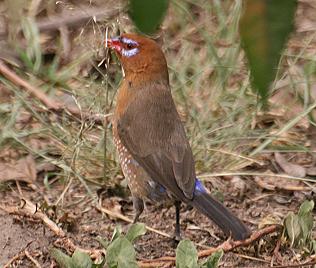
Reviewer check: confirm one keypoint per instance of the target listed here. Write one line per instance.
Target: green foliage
(214, 259)
(147, 15)
(135, 231)
(298, 227)
(187, 256)
(264, 28)
(79, 259)
(121, 253)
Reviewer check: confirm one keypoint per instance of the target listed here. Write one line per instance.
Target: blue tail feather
(199, 187)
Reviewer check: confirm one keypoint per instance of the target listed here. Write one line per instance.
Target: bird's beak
(114, 43)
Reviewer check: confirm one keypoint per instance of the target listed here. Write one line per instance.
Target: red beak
(114, 43)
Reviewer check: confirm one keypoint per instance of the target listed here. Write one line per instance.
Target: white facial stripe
(129, 41)
(130, 53)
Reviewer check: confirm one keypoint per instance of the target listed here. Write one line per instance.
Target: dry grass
(228, 131)
(209, 79)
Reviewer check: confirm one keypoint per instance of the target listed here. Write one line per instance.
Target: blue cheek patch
(129, 41)
(130, 53)
(199, 187)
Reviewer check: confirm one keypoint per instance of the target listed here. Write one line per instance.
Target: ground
(85, 223)
(58, 164)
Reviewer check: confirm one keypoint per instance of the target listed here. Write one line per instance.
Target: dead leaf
(46, 167)
(290, 168)
(24, 170)
(273, 183)
(311, 171)
(287, 106)
(239, 186)
(112, 204)
(269, 220)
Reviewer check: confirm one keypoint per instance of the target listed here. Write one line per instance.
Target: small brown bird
(154, 152)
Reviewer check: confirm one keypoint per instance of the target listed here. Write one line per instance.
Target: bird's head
(139, 55)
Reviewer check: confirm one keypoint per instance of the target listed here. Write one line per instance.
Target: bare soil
(85, 223)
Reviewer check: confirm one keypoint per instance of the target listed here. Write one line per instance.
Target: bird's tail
(218, 213)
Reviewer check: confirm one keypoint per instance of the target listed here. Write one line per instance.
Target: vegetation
(56, 146)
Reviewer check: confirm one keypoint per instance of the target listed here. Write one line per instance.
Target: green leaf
(103, 242)
(147, 14)
(214, 259)
(63, 260)
(186, 255)
(117, 232)
(306, 208)
(81, 259)
(121, 254)
(264, 28)
(306, 221)
(313, 246)
(135, 231)
(299, 227)
(293, 228)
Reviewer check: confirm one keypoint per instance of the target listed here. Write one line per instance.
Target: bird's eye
(130, 46)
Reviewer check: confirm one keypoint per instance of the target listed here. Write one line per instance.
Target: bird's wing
(151, 130)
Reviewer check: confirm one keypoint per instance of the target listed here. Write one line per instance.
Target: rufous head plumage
(139, 55)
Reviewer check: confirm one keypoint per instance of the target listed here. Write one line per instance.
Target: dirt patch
(83, 223)
(18, 234)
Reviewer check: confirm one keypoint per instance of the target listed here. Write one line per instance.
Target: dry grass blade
(126, 219)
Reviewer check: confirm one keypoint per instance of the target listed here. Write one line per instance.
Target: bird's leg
(138, 205)
(177, 233)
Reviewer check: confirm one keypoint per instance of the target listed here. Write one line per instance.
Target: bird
(153, 149)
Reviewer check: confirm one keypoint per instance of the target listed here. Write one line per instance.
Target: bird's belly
(139, 182)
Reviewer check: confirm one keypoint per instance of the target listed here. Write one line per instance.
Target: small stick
(226, 247)
(309, 264)
(16, 257)
(76, 19)
(31, 89)
(28, 255)
(52, 105)
(124, 218)
(31, 210)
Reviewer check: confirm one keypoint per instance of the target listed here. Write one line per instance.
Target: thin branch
(231, 244)
(51, 104)
(29, 256)
(31, 210)
(126, 219)
(227, 246)
(77, 18)
(35, 92)
(13, 259)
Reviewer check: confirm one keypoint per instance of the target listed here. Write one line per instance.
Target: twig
(124, 218)
(75, 19)
(51, 104)
(31, 210)
(14, 258)
(28, 255)
(251, 258)
(309, 264)
(69, 245)
(32, 90)
(226, 246)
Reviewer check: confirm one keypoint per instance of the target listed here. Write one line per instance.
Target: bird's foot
(176, 240)
(177, 237)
